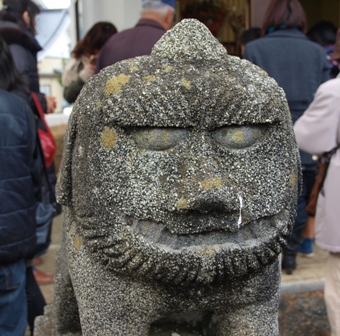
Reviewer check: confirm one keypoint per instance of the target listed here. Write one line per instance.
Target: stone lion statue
(179, 181)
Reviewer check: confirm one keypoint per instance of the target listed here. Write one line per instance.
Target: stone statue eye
(239, 137)
(154, 138)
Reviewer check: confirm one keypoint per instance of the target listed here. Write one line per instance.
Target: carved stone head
(182, 166)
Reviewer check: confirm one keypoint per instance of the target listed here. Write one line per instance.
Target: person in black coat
(324, 32)
(19, 189)
(17, 28)
(299, 66)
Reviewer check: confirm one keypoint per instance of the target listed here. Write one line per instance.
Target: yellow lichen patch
(98, 105)
(238, 137)
(239, 87)
(182, 203)
(133, 68)
(115, 84)
(168, 68)
(186, 83)
(293, 180)
(149, 78)
(77, 243)
(109, 138)
(208, 251)
(213, 183)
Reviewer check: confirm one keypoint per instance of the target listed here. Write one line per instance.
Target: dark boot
(292, 248)
(288, 263)
(294, 241)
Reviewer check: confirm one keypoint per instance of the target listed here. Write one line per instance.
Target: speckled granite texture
(179, 181)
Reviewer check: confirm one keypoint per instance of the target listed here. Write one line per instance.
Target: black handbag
(44, 217)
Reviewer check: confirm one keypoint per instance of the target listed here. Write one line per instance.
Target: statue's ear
(64, 184)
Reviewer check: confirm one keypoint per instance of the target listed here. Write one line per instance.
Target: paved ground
(303, 314)
(302, 311)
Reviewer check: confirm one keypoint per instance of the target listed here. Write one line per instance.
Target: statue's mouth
(149, 249)
(254, 232)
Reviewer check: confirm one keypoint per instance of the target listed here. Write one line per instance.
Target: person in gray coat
(81, 65)
(157, 17)
(299, 66)
(318, 131)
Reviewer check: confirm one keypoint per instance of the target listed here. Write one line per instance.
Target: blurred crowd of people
(23, 183)
(304, 62)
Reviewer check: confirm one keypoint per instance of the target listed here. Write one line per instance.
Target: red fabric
(46, 138)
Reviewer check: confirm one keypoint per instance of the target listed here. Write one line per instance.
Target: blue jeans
(13, 303)
(294, 241)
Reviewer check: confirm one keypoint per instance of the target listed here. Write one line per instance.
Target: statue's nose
(205, 186)
(214, 194)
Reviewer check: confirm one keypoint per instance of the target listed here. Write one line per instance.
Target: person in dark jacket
(323, 32)
(19, 186)
(247, 36)
(299, 66)
(157, 17)
(48, 187)
(17, 28)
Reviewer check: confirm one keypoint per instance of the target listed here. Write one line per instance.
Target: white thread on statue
(240, 218)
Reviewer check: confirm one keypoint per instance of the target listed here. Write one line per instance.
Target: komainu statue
(179, 181)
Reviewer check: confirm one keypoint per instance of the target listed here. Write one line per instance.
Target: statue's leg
(109, 305)
(260, 319)
(65, 303)
(255, 310)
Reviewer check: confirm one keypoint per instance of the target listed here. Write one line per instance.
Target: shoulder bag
(45, 135)
(321, 173)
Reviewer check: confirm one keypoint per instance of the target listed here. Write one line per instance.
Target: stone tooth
(265, 255)
(114, 251)
(220, 267)
(191, 276)
(252, 263)
(239, 261)
(180, 277)
(228, 265)
(145, 269)
(282, 241)
(166, 270)
(121, 262)
(276, 246)
(135, 263)
(206, 274)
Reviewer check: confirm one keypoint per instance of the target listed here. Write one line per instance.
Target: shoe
(37, 261)
(306, 248)
(43, 278)
(288, 264)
